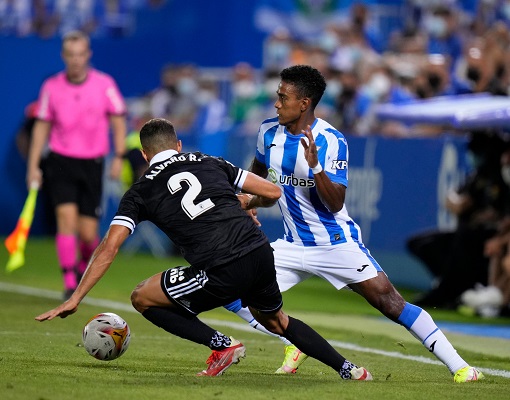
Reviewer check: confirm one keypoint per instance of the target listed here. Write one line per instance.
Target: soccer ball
(106, 336)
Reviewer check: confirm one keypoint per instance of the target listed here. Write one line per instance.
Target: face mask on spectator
(333, 89)
(328, 42)
(435, 26)
(378, 86)
(277, 52)
(186, 86)
(244, 89)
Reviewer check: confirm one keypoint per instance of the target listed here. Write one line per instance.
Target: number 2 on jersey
(187, 203)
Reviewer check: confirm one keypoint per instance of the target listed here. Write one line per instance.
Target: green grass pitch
(46, 361)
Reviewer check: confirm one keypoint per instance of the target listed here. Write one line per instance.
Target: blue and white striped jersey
(306, 219)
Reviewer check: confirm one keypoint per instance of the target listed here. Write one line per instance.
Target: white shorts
(340, 265)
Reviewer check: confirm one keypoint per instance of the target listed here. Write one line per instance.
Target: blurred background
(411, 83)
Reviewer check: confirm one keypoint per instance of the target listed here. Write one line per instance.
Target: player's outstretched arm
(99, 263)
(265, 193)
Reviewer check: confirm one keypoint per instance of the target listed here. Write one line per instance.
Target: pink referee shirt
(79, 113)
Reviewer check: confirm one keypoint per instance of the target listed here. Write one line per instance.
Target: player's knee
(137, 299)
(274, 323)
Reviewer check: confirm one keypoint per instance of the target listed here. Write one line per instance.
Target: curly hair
(308, 81)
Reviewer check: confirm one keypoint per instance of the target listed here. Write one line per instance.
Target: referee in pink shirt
(76, 109)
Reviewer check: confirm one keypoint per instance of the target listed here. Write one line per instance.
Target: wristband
(118, 155)
(317, 169)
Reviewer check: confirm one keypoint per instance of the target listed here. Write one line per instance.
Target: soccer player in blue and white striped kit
(308, 159)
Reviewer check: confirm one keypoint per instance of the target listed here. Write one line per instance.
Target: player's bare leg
(381, 294)
(149, 299)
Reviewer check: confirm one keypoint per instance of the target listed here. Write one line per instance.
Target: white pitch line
(108, 304)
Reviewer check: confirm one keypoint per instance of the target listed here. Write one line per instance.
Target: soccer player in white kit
(308, 159)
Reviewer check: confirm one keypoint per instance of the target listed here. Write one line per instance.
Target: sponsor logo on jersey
(270, 145)
(289, 180)
(339, 164)
(286, 180)
(271, 174)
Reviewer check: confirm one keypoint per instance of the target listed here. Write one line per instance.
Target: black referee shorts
(75, 180)
(251, 278)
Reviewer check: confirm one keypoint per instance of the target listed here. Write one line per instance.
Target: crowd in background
(49, 18)
(439, 51)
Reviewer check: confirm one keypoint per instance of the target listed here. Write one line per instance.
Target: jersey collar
(161, 156)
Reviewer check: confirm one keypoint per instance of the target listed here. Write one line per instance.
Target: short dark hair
(308, 81)
(157, 135)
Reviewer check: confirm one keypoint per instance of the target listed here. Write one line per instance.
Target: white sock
(422, 326)
(245, 314)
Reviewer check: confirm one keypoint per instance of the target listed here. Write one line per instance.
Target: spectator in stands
(409, 40)
(251, 98)
(385, 85)
(361, 29)
(483, 66)
(277, 49)
(117, 19)
(443, 37)
(75, 109)
(434, 79)
(457, 258)
(45, 21)
(211, 121)
(185, 105)
(176, 98)
(83, 15)
(329, 39)
(245, 92)
(494, 299)
(15, 18)
(347, 110)
(162, 98)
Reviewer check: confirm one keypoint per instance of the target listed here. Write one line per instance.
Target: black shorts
(251, 278)
(75, 180)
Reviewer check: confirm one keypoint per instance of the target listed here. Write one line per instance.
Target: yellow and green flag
(17, 240)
